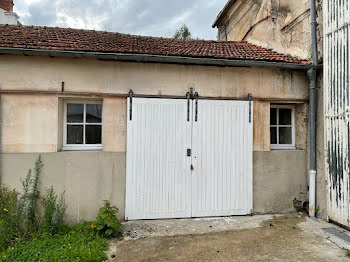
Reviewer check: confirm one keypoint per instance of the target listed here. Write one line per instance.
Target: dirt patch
(174, 227)
(278, 239)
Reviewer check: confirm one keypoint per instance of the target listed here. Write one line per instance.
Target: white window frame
(80, 147)
(284, 146)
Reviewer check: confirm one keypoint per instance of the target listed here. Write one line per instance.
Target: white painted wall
(10, 18)
(337, 108)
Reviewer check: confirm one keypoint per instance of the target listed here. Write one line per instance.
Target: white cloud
(144, 17)
(29, 2)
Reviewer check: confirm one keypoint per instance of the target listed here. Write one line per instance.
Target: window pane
(285, 135)
(93, 113)
(93, 135)
(273, 116)
(285, 116)
(75, 113)
(74, 134)
(273, 131)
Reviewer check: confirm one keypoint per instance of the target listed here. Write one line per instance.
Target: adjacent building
(281, 25)
(170, 128)
(337, 108)
(161, 127)
(7, 16)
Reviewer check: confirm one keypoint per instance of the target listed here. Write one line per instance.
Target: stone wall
(282, 25)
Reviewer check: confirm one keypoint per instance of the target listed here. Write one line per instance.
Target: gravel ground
(291, 237)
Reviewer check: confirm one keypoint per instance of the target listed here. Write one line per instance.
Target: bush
(50, 239)
(30, 197)
(107, 223)
(6, 197)
(54, 209)
(20, 219)
(12, 230)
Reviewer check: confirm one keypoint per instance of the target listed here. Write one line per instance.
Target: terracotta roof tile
(67, 39)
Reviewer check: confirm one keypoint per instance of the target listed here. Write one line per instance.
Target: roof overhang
(222, 12)
(146, 58)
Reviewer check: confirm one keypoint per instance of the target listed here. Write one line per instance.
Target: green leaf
(100, 227)
(109, 232)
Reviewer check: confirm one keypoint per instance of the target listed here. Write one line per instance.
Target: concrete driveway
(292, 237)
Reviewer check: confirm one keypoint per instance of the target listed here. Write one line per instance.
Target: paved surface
(259, 238)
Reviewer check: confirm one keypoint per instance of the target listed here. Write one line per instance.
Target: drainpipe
(312, 74)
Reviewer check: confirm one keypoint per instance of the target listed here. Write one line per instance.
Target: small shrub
(12, 230)
(54, 208)
(31, 195)
(20, 218)
(6, 197)
(107, 223)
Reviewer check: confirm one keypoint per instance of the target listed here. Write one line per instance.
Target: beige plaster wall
(87, 178)
(114, 124)
(33, 123)
(90, 75)
(279, 178)
(261, 126)
(28, 123)
(301, 126)
(283, 25)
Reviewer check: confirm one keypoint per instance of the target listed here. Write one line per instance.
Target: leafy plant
(35, 237)
(20, 218)
(107, 223)
(6, 197)
(30, 197)
(54, 208)
(12, 230)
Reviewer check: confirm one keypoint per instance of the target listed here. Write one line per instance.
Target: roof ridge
(87, 40)
(125, 34)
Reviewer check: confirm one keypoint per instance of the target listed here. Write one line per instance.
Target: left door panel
(158, 179)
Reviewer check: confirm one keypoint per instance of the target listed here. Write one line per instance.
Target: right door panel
(222, 141)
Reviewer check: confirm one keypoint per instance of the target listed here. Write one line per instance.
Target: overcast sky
(141, 17)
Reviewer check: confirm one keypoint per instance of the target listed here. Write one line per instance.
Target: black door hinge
(131, 94)
(250, 98)
(188, 96)
(196, 107)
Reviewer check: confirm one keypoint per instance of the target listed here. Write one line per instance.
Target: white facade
(189, 158)
(9, 18)
(337, 108)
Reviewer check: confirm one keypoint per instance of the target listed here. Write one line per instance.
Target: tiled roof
(67, 39)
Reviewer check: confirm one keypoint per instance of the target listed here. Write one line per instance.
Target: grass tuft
(79, 243)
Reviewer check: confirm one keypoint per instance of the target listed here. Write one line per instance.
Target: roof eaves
(221, 14)
(147, 58)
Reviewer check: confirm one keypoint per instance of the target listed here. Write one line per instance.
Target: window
(282, 127)
(82, 125)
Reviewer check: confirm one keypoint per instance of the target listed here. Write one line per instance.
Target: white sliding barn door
(222, 177)
(158, 182)
(165, 180)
